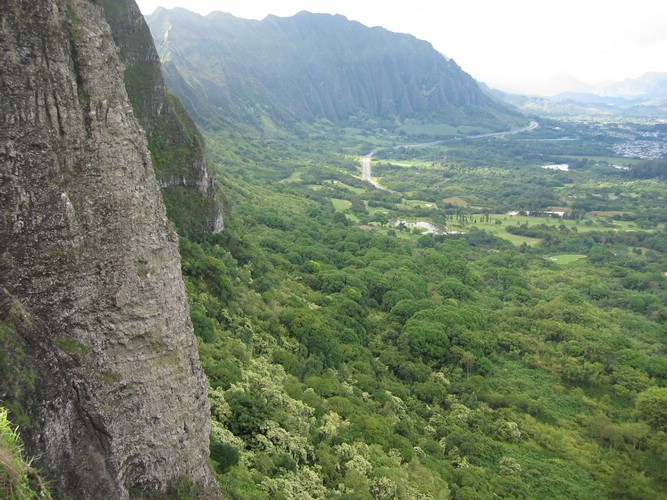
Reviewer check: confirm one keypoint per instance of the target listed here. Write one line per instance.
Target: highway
(366, 160)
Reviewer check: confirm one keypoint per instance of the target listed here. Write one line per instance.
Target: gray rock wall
(115, 399)
(167, 124)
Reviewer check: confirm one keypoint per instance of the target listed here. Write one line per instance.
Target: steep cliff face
(312, 66)
(178, 150)
(99, 364)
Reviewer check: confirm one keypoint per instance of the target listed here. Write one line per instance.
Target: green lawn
(356, 190)
(587, 225)
(418, 203)
(499, 229)
(340, 205)
(567, 258)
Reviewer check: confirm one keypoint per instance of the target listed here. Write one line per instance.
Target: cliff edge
(184, 173)
(99, 361)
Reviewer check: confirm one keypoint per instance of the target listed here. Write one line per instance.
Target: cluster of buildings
(643, 149)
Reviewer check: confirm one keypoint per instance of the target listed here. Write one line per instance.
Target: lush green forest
(520, 351)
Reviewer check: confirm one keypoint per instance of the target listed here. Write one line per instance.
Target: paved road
(366, 167)
(366, 171)
(366, 160)
(531, 126)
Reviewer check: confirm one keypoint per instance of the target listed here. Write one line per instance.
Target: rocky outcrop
(178, 150)
(99, 364)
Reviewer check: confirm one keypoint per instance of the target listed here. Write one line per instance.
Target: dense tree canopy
(518, 357)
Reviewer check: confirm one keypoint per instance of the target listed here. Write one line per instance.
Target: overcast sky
(506, 43)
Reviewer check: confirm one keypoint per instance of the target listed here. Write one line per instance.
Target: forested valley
(400, 285)
(516, 349)
(485, 320)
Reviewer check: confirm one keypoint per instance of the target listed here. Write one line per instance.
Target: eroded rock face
(116, 398)
(179, 152)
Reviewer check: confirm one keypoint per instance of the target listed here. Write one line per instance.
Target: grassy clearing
(356, 190)
(499, 222)
(514, 239)
(418, 203)
(340, 205)
(589, 224)
(567, 258)
(374, 210)
(295, 177)
(499, 229)
(455, 202)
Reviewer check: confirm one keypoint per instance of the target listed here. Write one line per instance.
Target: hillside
(177, 148)
(352, 355)
(313, 66)
(486, 327)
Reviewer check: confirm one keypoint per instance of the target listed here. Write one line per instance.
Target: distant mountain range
(644, 97)
(649, 87)
(314, 66)
(652, 85)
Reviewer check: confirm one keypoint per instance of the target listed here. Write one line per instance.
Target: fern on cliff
(18, 480)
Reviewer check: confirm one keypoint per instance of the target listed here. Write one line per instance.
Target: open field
(567, 258)
(340, 205)
(588, 224)
(346, 186)
(418, 203)
(498, 223)
(455, 202)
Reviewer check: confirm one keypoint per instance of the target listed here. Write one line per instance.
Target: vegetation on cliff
(18, 480)
(177, 148)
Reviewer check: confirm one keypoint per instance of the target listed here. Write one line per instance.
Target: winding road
(366, 160)
(366, 171)
(531, 126)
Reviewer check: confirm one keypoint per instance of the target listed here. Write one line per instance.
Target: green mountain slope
(351, 356)
(177, 148)
(313, 66)
(350, 362)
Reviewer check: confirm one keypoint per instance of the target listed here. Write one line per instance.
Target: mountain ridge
(643, 97)
(313, 66)
(177, 148)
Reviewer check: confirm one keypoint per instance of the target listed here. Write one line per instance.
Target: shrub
(17, 479)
